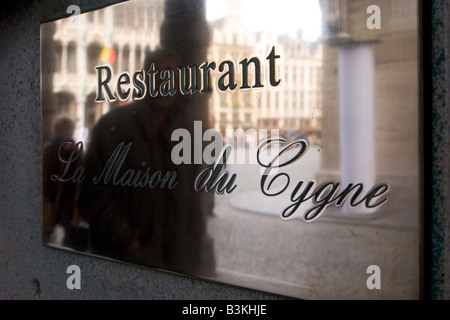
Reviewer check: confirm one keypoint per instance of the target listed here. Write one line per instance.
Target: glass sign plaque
(268, 145)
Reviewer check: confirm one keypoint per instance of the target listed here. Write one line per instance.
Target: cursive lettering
(324, 195)
(75, 152)
(132, 177)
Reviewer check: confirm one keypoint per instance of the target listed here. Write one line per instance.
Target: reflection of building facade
(294, 105)
(113, 36)
(120, 38)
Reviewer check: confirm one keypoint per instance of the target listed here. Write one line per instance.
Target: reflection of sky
(282, 16)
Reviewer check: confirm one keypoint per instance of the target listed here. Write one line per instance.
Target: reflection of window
(93, 50)
(131, 20)
(332, 24)
(147, 49)
(116, 52)
(100, 16)
(300, 76)
(119, 19)
(65, 102)
(332, 27)
(126, 58)
(236, 104)
(92, 110)
(248, 117)
(72, 57)
(137, 57)
(58, 56)
(223, 117)
(247, 100)
(223, 101)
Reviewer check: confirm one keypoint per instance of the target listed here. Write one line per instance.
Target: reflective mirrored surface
(269, 145)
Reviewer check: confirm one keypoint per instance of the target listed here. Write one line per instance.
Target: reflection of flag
(108, 55)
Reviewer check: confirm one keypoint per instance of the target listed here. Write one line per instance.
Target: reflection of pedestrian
(155, 226)
(59, 197)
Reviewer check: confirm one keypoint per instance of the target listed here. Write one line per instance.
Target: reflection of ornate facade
(120, 37)
(293, 105)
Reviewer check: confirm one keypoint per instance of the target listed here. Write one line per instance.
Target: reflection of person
(59, 197)
(156, 226)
